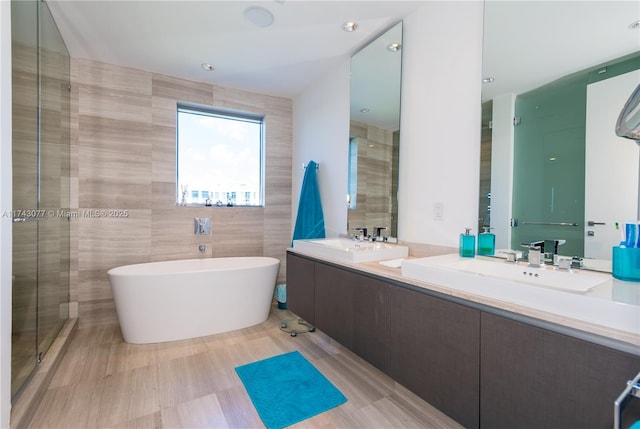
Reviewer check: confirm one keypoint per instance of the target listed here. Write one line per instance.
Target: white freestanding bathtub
(175, 300)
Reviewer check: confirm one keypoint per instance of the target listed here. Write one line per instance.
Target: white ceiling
(527, 43)
(304, 42)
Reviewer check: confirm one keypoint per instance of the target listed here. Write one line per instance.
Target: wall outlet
(438, 211)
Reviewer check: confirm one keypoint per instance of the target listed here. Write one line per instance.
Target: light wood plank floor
(104, 382)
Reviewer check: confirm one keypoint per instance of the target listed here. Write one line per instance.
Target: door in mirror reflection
(610, 197)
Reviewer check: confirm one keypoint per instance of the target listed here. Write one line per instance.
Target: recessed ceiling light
(394, 47)
(207, 67)
(635, 25)
(364, 110)
(487, 80)
(349, 26)
(258, 16)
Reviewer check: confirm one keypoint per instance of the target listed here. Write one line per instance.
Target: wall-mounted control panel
(202, 226)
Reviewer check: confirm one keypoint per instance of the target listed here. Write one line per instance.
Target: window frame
(228, 114)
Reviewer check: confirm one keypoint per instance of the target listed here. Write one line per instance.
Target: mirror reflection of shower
(526, 68)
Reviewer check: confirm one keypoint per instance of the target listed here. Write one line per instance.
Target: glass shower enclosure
(548, 181)
(41, 177)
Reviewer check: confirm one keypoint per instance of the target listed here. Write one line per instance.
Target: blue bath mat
(286, 389)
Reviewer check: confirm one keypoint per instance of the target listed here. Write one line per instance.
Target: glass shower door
(53, 202)
(24, 17)
(41, 173)
(548, 185)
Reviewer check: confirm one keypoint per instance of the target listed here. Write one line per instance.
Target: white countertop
(611, 309)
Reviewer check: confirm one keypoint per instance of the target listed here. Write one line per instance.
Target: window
(220, 153)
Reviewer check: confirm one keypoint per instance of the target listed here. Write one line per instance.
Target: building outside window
(220, 155)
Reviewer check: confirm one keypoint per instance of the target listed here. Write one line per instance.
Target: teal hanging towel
(310, 219)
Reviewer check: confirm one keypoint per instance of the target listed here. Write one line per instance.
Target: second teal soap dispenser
(486, 242)
(467, 244)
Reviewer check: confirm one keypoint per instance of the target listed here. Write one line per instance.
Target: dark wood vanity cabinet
(535, 378)
(301, 286)
(479, 366)
(353, 309)
(427, 344)
(434, 352)
(371, 321)
(334, 303)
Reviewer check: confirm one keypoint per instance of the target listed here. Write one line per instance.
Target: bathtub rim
(147, 268)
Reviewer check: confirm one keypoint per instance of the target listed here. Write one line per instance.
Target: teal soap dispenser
(467, 244)
(486, 242)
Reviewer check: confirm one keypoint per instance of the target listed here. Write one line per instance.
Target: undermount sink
(450, 270)
(348, 250)
(568, 294)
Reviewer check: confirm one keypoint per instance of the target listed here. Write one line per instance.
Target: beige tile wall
(123, 158)
(375, 162)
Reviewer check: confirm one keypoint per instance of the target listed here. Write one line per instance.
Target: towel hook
(305, 166)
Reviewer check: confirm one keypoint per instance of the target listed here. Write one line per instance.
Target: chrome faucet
(363, 233)
(535, 254)
(566, 263)
(550, 250)
(378, 234)
(577, 262)
(511, 256)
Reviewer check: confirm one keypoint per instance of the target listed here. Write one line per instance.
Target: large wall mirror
(556, 76)
(375, 135)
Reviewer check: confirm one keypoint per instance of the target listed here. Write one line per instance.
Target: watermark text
(31, 214)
